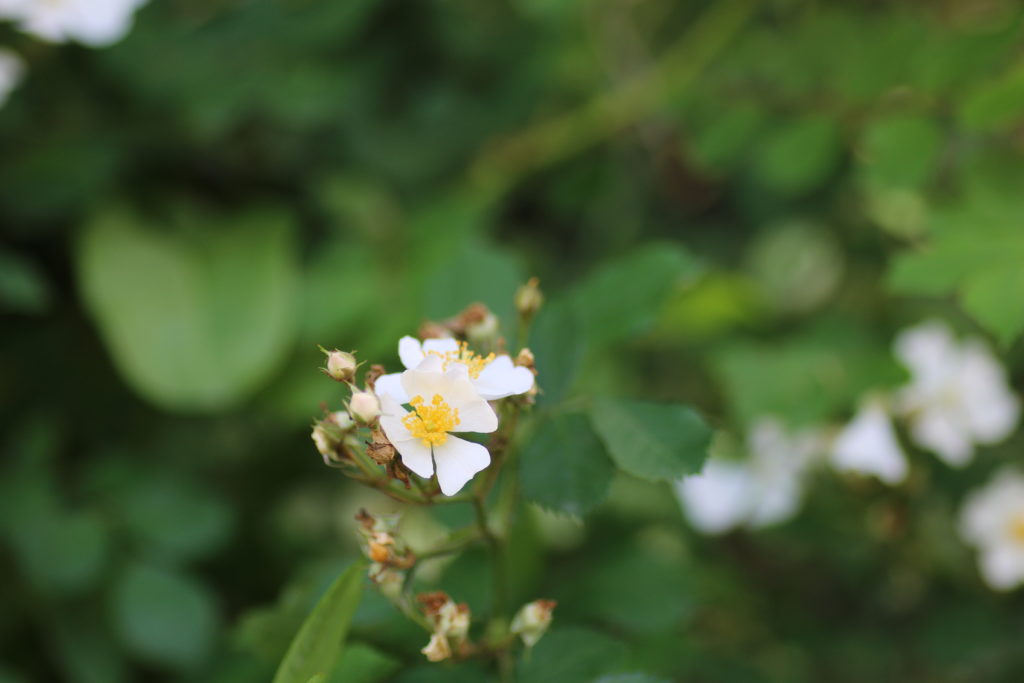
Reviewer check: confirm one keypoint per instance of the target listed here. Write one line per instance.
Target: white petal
(391, 385)
(717, 499)
(477, 416)
(776, 502)
(928, 349)
(442, 346)
(1003, 566)
(416, 456)
(410, 351)
(426, 379)
(457, 461)
(943, 431)
(501, 378)
(988, 512)
(992, 409)
(391, 415)
(869, 446)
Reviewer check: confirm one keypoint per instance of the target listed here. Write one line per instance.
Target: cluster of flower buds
(389, 555)
(532, 620)
(450, 622)
(330, 435)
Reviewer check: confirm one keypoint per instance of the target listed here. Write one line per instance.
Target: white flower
(765, 489)
(12, 69)
(532, 621)
(868, 445)
(992, 520)
(957, 396)
(443, 401)
(96, 23)
(437, 650)
(492, 376)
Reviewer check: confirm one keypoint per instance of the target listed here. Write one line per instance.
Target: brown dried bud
(373, 374)
(433, 602)
(526, 360)
(432, 330)
(380, 448)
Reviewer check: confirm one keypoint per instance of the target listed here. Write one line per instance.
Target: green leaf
(164, 617)
(623, 298)
(361, 663)
(319, 641)
(900, 150)
(995, 105)
(798, 157)
(572, 655)
(64, 553)
(196, 316)
(652, 440)
(559, 345)
(564, 466)
(631, 678)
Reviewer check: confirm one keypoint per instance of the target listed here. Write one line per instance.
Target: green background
(730, 204)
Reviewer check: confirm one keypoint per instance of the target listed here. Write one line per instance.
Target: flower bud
(437, 649)
(529, 298)
(324, 442)
(532, 620)
(364, 406)
(525, 359)
(340, 365)
(343, 420)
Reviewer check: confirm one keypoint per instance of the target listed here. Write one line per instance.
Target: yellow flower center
(475, 363)
(431, 423)
(1017, 528)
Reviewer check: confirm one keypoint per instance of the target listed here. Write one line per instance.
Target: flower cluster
(957, 398)
(449, 622)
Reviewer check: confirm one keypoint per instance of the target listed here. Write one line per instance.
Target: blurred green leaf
(994, 105)
(164, 617)
(564, 466)
(622, 299)
(23, 288)
(900, 150)
(195, 319)
(360, 663)
(475, 272)
(558, 345)
(571, 655)
(652, 440)
(799, 156)
(976, 251)
(86, 653)
(631, 678)
(64, 553)
(321, 638)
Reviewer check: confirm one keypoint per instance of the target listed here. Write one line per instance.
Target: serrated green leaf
(196, 316)
(564, 466)
(657, 441)
(319, 642)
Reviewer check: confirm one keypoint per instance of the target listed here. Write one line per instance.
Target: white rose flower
(868, 445)
(443, 401)
(765, 489)
(957, 396)
(992, 520)
(492, 376)
(96, 23)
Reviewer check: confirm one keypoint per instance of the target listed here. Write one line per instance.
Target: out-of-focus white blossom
(957, 396)
(96, 23)
(12, 70)
(762, 490)
(992, 520)
(868, 445)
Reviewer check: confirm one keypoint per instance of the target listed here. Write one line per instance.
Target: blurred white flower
(868, 445)
(12, 69)
(443, 401)
(958, 394)
(765, 489)
(992, 520)
(492, 376)
(96, 23)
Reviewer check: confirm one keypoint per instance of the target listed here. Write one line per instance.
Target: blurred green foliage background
(733, 204)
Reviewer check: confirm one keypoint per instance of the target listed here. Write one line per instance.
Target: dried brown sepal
(380, 448)
(371, 376)
(432, 602)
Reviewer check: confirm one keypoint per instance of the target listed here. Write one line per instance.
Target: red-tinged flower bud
(341, 365)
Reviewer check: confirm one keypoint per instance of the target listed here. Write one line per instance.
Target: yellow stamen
(1017, 528)
(431, 423)
(473, 362)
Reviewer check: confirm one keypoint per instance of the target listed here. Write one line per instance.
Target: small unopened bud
(389, 583)
(529, 298)
(532, 620)
(324, 442)
(437, 649)
(364, 406)
(343, 420)
(340, 365)
(432, 330)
